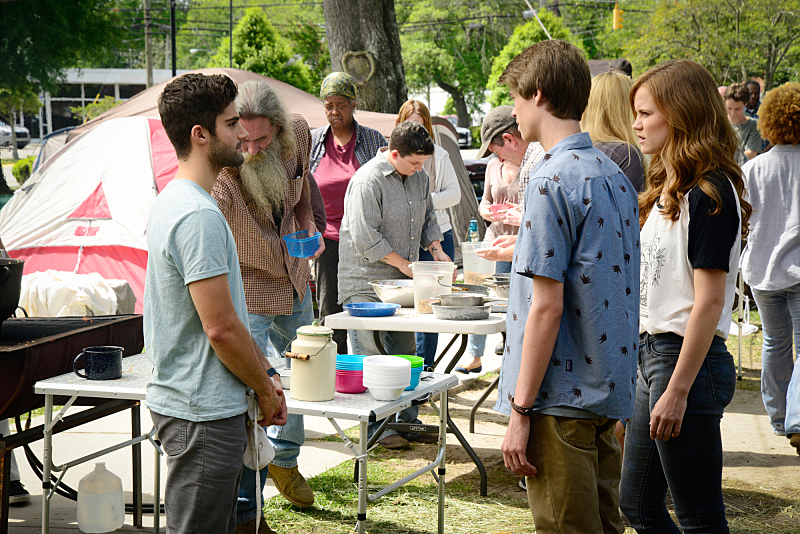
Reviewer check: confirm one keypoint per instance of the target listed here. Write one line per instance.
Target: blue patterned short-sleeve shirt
(580, 227)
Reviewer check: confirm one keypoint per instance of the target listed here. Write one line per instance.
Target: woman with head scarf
(337, 152)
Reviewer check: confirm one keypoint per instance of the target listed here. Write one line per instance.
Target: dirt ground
(756, 462)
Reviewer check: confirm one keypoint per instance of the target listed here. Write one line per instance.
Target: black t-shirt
(712, 237)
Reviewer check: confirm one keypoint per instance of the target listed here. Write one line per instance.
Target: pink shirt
(333, 174)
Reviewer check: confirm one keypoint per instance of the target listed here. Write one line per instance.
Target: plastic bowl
(300, 245)
(386, 394)
(386, 362)
(352, 362)
(496, 208)
(415, 376)
(349, 382)
(416, 361)
(371, 309)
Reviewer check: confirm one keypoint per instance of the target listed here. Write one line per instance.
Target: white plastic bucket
(476, 269)
(431, 278)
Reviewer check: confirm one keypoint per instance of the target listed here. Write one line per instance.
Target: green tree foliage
(12, 100)
(523, 37)
(734, 39)
(451, 44)
(95, 108)
(43, 38)
(257, 47)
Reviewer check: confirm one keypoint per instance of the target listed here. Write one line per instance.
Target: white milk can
(101, 507)
(314, 368)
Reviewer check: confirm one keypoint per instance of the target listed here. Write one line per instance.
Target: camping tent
(145, 104)
(85, 210)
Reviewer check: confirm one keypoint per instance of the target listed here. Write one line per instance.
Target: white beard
(264, 178)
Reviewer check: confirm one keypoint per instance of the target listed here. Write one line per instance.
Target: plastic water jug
(101, 506)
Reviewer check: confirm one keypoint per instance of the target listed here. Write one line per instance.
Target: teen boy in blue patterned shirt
(570, 364)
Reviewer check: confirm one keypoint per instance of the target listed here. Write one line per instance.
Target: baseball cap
(496, 122)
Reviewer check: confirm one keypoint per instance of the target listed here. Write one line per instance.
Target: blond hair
(415, 106)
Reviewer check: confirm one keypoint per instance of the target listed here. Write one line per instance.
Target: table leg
(136, 453)
(47, 462)
(5, 481)
(441, 354)
(362, 481)
(442, 443)
(459, 353)
(157, 493)
(480, 401)
(467, 447)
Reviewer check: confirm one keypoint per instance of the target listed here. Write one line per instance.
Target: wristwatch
(272, 372)
(519, 409)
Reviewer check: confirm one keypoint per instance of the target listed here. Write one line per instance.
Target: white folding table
(408, 320)
(361, 407)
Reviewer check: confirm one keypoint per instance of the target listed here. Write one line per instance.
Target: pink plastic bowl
(350, 382)
(496, 208)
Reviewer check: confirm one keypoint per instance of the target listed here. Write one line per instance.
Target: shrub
(22, 169)
(476, 136)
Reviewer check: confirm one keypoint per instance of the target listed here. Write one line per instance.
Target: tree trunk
(459, 102)
(14, 151)
(364, 41)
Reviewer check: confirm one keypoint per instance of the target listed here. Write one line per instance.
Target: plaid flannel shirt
(368, 141)
(269, 274)
(533, 154)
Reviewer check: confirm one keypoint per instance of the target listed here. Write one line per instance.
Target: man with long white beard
(266, 198)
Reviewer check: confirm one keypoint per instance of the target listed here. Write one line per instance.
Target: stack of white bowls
(386, 376)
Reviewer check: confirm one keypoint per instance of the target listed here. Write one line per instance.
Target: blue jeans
(780, 374)
(689, 465)
(363, 342)
(477, 344)
(427, 342)
(287, 439)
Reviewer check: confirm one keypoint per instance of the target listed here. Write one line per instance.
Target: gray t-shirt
(749, 137)
(188, 240)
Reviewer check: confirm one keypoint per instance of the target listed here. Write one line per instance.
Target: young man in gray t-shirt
(195, 316)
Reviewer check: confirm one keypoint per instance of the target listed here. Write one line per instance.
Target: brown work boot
(292, 485)
(250, 527)
(794, 441)
(395, 441)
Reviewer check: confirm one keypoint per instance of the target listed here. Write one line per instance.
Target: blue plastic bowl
(415, 375)
(371, 309)
(300, 245)
(350, 362)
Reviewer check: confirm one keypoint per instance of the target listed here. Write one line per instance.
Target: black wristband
(272, 372)
(519, 409)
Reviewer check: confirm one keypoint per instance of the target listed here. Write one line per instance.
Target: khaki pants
(577, 487)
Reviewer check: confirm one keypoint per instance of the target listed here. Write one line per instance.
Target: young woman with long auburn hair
(692, 217)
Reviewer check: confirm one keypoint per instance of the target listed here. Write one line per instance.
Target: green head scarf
(338, 84)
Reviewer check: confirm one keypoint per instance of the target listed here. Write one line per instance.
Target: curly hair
(700, 142)
(738, 92)
(779, 115)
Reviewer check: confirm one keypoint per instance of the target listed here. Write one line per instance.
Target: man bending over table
(195, 316)
(388, 215)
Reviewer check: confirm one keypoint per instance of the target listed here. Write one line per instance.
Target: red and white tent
(86, 209)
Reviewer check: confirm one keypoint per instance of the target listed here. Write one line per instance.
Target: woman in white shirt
(692, 218)
(771, 260)
(446, 192)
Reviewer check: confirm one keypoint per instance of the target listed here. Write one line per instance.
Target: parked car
(476, 170)
(23, 135)
(464, 134)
